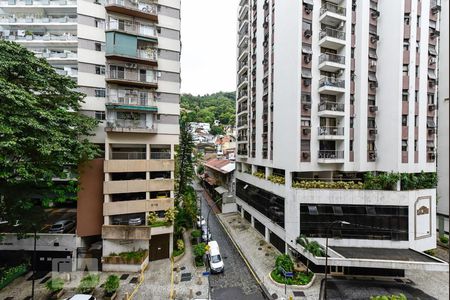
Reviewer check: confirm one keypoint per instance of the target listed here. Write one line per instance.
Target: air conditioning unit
(431, 83)
(374, 13)
(373, 108)
(306, 131)
(431, 60)
(307, 34)
(373, 84)
(305, 155)
(130, 66)
(431, 107)
(307, 82)
(308, 9)
(307, 106)
(372, 155)
(374, 38)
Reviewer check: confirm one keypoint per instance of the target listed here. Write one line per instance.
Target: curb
(252, 271)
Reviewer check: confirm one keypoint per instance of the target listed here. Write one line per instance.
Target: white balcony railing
(132, 27)
(34, 20)
(38, 3)
(149, 8)
(44, 38)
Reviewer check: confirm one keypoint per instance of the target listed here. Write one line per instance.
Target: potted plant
(88, 283)
(55, 287)
(28, 35)
(111, 287)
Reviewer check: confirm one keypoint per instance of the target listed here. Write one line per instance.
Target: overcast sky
(208, 55)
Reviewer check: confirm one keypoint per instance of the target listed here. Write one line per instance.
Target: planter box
(112, 297)
(108, 266)
(56, 295)
(294, 285)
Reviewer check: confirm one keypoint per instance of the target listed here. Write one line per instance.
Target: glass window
(404, 145)
(352, 122)
(404, 120)
(100, 115)
(307, 26)
(313, 210)
(99, 23)
(100, 92)
(337, 210)
(98, 46)
(351, 145)
(416, 121)
(405, 95)
(406, 18)
(99, 70)
(406, 45)
(405, 70)
(415, 145)
(430, 98)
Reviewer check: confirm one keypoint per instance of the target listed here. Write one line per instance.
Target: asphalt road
(236, 282)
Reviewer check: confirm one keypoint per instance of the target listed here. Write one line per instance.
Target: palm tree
(312, 247)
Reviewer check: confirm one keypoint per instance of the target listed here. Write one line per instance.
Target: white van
(214, 258)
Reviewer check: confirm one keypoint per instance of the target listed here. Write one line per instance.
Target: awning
(431, 75)
(221, 190)
(306, 73)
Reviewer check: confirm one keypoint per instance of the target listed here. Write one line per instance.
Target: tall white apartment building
(125, 56)
(328, 91)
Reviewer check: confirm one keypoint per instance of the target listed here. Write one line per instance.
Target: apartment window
(417, 71)
(158, 117)
(373, 5)
(99, 23)
(404, 120)
(415, 145)
(100, 115)
(353, 28)
(417, 46)
(430, 123)
(371, 123)
(307, 26)
(352, 99)
(406, 45)
(416, 121)
(305, 122)
(352, 75)
(100, 93)
(430, 98)
(407, 18)
(352, 121)
(100, 70)
(418, 21)
(405, 70)
(432, 24)
(352, 53)
(371, 146)
(371, 100)
(373, 29)
(432, 50)
(373, 53)
(416, 96)
(351, 145)
(404, 145)
(98, 47)
(405, 95)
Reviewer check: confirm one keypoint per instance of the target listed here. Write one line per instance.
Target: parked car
(62, 226)
(135, 221)
(81, 297)
(206, 234)
(214, 258)
(200, 221)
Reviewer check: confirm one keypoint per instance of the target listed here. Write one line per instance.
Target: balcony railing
(46, 37)
(149, 8)
(61, 55)
(160, 155)
(67, 72)
(330, 154)
(128, 155)
(329, 57)
(330, 32)
(32, 19)
(331, 130)
(134, 124)
(126, 74)
(333, 106)
(327, 6)
(132, 27)
(38, 3)
(131, 100)
(331, 81)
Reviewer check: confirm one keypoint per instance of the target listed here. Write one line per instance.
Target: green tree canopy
(42, 133)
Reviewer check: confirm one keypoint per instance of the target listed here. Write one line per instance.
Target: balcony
(53, 56)
(138, 185)
(243, 67)
(60, 39)
(67, 71)
(136, 206)
(331, 109)
(131, 74)
(331, 86)
(329, 62)
(135, 162)
(139, 9)
(124, 232)
(38, 3)
(330, 156)
(135, 28)
(147, 56)
(131, 103)
(31, 20)
(331, 133)
(332, 38)
(243, 81)
(132, 126)
(332, 14)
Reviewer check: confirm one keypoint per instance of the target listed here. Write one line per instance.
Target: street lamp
(326, 253)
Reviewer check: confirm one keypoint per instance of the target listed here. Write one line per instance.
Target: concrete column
(170, 244)
(107, 149)
(252, 221)
(267, 235)
(147, 151)
(269, 172)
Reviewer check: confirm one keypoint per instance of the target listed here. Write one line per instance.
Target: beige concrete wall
(123, 232)
(136, 206)
(136, 186)
(113, 166)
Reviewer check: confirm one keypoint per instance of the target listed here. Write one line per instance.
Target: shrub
(276, 179)
(196, 233)
(88, 283)
(199, 250)
(152, 217)
(169, 215)
(259, 174)
(200, 169)
(284, 261)
(316, 184)
(177, 252)
(54, 285)
(298, 279)
(112, 284)
(431, 252)
(9, 274)
(444, 239)
(389, 297)
(381, 181)
(180, 245)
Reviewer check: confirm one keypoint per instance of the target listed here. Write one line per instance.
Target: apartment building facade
(328, 91)
(125, 56)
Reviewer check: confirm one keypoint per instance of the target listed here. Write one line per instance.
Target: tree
(184, 169)
(312, 247)
(42, 136)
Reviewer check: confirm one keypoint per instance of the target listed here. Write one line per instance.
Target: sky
(208, 54)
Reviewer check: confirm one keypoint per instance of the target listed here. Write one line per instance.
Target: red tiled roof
(217, 164)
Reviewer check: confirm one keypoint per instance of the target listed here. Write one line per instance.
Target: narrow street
(236, 282)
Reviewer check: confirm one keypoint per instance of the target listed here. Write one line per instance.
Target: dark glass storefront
(366, 222)
(270, 205)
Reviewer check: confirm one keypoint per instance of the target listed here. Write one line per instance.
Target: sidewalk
(261, 257)
(158, 277)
